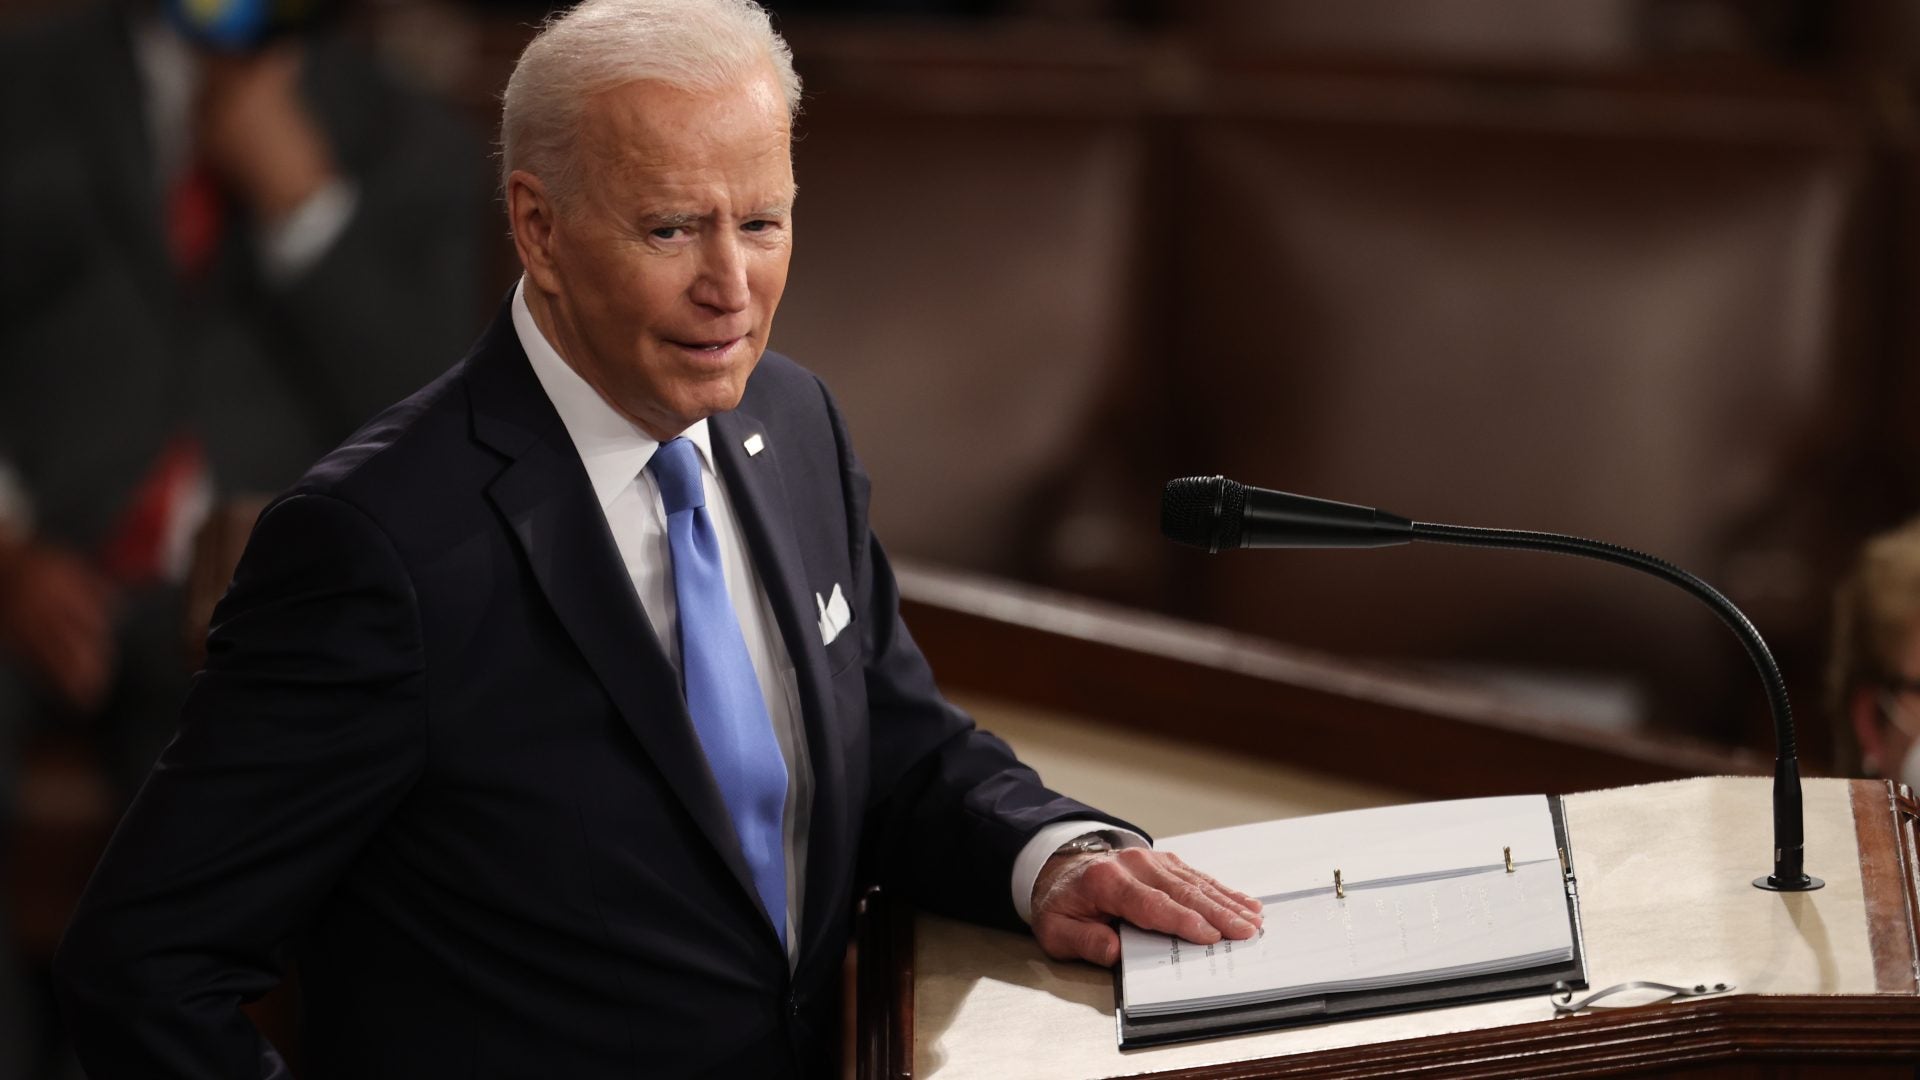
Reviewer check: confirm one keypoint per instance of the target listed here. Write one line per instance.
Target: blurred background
(1642, 270)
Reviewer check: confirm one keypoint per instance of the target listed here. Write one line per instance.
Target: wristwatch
(1092, 843)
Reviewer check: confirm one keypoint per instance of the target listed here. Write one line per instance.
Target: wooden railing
(1371, 722)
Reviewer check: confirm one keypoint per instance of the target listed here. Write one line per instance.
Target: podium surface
(1664, 873)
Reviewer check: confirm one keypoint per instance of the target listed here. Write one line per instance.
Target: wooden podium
(1824, 983)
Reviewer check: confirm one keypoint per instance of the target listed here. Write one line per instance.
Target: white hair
(695, 45)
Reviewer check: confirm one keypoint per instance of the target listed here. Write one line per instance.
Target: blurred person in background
(1873, 678)
(226, 239)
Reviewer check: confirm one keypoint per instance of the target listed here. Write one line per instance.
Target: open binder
(1419, 920)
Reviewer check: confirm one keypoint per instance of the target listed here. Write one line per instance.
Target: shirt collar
(612, 447)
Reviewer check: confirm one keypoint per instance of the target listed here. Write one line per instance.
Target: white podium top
(1665, 874)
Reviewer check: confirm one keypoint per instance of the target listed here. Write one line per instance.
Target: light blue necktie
(723, 694)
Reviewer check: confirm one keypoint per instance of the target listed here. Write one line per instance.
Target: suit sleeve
(299, 738)
(951, 805)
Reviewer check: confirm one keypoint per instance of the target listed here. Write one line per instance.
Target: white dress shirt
(615, 452)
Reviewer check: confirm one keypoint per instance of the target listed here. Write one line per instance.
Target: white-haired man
(512, 822)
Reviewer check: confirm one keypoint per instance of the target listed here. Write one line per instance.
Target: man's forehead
(686, 184)
(651, 117)
(700, 157)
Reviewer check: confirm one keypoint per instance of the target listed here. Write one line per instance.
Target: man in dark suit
(553, 720)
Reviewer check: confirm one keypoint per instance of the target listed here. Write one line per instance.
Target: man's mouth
(710, 347)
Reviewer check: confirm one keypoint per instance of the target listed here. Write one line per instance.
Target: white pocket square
(834, 615)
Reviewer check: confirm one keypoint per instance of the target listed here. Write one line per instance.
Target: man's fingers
(1226, 899)
(1245, 900)
(1224, 915)
(1066, 938)
(1240, 902)
(1249, 902)
(1150, 908)
(1196, 892)
(1154, 891)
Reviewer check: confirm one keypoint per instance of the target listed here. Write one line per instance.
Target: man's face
(665, 268)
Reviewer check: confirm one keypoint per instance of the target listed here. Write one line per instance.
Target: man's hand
(56, 613)
(1077, 896)
(256, 133)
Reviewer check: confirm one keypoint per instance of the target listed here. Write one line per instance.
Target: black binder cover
(1211, 1023)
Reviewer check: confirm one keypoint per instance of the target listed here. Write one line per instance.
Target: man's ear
(531, 212)
(1863, 711)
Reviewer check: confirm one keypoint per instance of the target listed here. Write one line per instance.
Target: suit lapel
(760, 496)
(546, 498)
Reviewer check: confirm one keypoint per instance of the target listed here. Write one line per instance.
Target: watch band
(1092, 843)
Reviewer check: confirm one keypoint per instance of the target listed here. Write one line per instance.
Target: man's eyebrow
(680, 219)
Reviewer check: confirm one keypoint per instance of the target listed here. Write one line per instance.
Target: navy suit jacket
(438, 756)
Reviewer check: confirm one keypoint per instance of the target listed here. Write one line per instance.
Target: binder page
(1428, 897)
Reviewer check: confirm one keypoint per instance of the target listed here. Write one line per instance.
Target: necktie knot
(676, 468)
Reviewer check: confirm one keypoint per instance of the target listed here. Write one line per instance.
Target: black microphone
(1215, 513)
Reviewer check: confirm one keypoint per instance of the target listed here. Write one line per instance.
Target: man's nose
(722, 284)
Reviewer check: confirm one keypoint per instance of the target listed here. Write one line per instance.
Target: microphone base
(1806, 883)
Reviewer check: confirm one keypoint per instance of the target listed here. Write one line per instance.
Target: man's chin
(686, 413)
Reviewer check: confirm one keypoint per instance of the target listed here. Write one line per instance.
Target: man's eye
(760, 225)
(667, 232)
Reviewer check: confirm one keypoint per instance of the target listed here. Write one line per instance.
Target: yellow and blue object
(241, 25)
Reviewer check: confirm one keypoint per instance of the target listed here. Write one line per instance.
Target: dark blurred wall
(1637, 273)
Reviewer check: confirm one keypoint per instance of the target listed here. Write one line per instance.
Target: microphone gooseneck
(1789, 873)
(1195, 510)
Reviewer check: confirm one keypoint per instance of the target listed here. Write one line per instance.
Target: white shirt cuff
(289, 247)
(1026, 868)
(16, 506)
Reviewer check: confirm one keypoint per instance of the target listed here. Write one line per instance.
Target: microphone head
(1203, 511)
